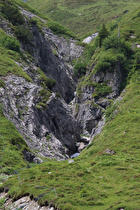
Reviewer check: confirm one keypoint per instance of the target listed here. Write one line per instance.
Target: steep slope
(107, 73)
(36, 86)
(82, 16)
(106, 174)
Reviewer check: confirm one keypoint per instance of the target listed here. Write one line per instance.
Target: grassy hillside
(84, 16)
(95, 180)
(11, 146)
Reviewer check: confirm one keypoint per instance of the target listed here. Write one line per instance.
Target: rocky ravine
(89, 110)
(50, 131)
(54, 130)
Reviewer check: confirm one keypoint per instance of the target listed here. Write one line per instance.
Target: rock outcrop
(53, 54)
(49, 129)
(88, 107)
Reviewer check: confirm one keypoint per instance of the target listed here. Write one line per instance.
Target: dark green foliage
(12, 145)
(23, 33)
(108, 61)
(80, 69)
(2, 84)
(115, 53)
(118, 44)
(46, 81)
(50, 83)
(102, 90)
(44, 96)
(103, 33)
(11, 43)
(12, 13)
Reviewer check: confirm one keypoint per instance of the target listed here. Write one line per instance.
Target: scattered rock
(126, 11)
(108, 151)
(28, 156)
(133, 37)
(90, 38)
(37, 160)
(81, 146)
(75, 155)
(70, 161)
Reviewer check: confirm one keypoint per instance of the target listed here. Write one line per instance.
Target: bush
(103, 33)
(80, 69)
(23, 33)
(118, 44)
(12, 13)
(2, 84)
(108, 61)
(46, 81)
(50, 83)
(11, 43)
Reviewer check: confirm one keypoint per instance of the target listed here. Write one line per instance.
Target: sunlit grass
(95, 180)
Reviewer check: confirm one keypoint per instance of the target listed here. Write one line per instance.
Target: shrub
(12, 13)
(107, 61)
(23, 33)
(79, 69)
(118, 44)
(2, 84)
(103, 33)
(46, 81)
(101, 90)
(11, 43)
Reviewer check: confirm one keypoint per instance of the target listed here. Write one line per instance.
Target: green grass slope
(11, 142)
(95, 180)
(82, 16)
(11, 147)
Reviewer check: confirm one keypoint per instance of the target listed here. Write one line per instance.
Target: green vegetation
(82, 16)
(9, 42)
(46, 81)
(102, 34)
(8, 65)
(95, 180)
(11, 12)
(44, 96)
(2, 84)
(12, 145)
(9, 55)
(2, 201)
(80, 69)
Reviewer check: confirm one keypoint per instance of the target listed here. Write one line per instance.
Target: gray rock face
(88, 109)
(90, 38)
(53, 55)
(24, 203)
(49, 132)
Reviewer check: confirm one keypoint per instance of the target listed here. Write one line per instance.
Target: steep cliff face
(41, 114)
(94, 94)
(53, 55)
(49, 131)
